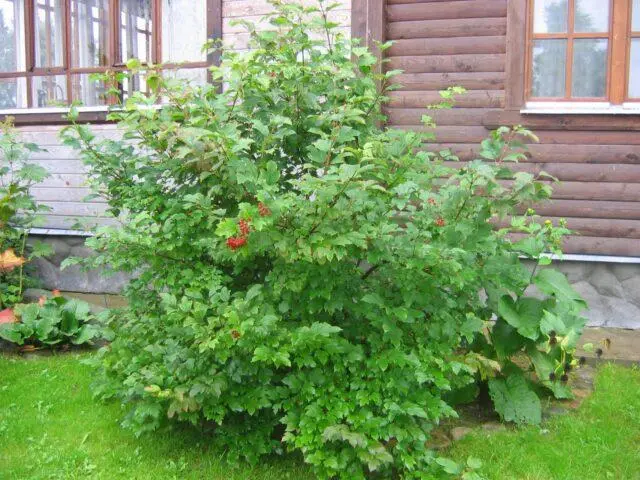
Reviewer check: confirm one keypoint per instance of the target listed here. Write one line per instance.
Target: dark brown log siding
(479, 44)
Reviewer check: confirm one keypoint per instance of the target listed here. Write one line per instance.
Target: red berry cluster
(235, 243)
(440, 222)
(264, 210)
(432, 201)
(244, 227)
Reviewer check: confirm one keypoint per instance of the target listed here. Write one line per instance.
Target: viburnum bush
(306, 280)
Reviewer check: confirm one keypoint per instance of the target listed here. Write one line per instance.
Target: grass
(50, 428)
(599, 441)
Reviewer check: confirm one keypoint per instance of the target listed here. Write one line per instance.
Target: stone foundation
(611, 289)
(74, 278)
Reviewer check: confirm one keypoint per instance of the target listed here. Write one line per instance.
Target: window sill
(580, 108)
(54, 115)
(613, 119)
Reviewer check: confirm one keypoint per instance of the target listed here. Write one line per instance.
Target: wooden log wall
(440, 43)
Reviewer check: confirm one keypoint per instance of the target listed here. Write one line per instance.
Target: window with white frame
(49, 48)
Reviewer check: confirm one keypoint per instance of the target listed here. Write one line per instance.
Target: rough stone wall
(74, 279)
(612, 291)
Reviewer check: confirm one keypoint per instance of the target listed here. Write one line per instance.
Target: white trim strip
(57, 232)
(580, 108)
(575, 257)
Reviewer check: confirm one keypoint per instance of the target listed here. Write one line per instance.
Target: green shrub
(52, 322)
(306, 280)
(18, 213)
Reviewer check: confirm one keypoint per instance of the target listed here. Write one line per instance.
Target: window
(49, 48)
(584, 51)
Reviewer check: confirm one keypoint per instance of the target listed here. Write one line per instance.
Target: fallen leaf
(9, 260)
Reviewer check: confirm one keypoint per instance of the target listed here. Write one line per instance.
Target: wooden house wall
(479, 44)
(65, 190)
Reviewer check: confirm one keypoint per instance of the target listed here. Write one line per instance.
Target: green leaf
(11, 334)
(474, 463)
(506, 339)
(544, 364)
(69, 324)
(44, 327)
(449, 466)
(552, 323)
(553, 282)
(514, 400)
(272, 173)
(85, 334)
(524, 315)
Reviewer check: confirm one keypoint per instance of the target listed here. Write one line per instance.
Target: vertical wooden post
(618, 79)
(516, 54)
(214, 28)
(214, 32)
(368, 21)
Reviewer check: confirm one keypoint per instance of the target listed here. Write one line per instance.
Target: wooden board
(493, 62)
(447, 10)
(447, 28)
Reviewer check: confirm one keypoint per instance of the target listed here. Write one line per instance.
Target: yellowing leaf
(9, 260)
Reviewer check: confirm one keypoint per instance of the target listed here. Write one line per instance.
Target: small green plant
(52, 322)
(532, 340)
(306, 280)
(18, 213)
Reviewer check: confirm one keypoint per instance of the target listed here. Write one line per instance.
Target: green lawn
(50, 428)
(599, 441)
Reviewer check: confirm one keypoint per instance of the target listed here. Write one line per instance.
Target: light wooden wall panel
(65, 190)
(235, 38)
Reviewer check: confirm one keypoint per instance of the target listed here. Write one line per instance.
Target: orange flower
(9, 260)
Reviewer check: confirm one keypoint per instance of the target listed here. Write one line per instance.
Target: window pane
(132, 84)
(12, 55)
(635, 19)
(89, 30)
(589, 75)
(195, 76)
(88, 92)
(549, 58)
(49, 26)
(49, 91)
(634, 75)
(135, 30)
(184, 30)
(13, 93)
(592, 16)
(550, 16)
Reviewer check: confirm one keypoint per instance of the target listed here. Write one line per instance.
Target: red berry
(235, 243)
(431, 201)
(244, 227)
(440, 222)
(263, 210)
